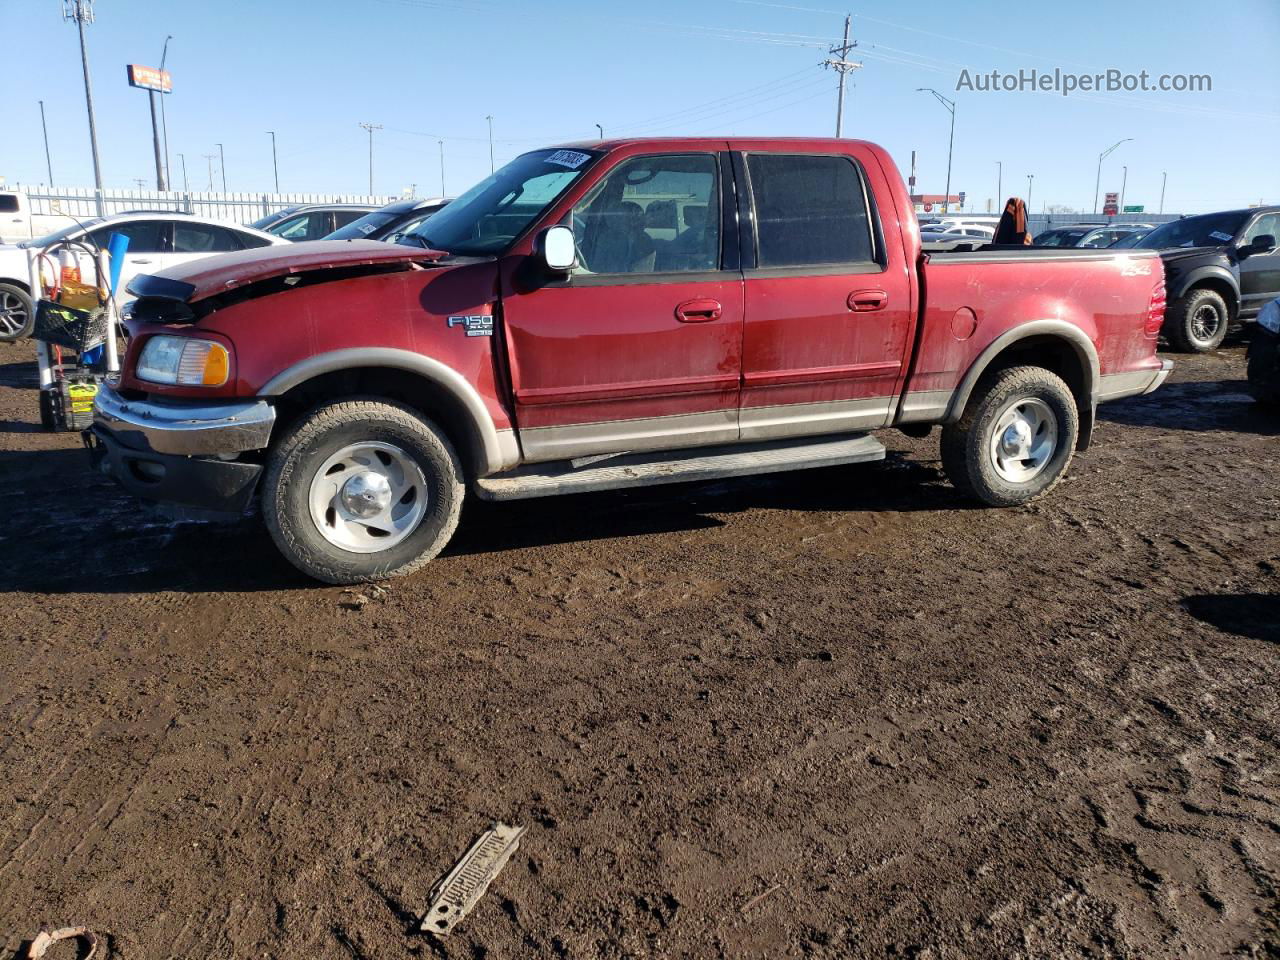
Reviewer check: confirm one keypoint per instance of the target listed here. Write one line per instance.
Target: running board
(682, 466)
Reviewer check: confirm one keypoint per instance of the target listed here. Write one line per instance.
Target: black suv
(1219, 268)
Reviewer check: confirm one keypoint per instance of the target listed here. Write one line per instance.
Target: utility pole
(1164, 179)
(140, 181)
(222, 165)
(1030, 177)
(839, 62)
(209, 157)
(164, 121)
(275, 167)
(442, 192)
(186, 188)
(999, 181)
(371, 127)
(951, 108)
(1123, 183)
(81, 11)
(47, 157)
(1098, 180)
(490, 119)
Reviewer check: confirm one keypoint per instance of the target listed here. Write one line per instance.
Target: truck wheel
(17, 316)
(361, 490)
(1198, 322)
(1015, 439)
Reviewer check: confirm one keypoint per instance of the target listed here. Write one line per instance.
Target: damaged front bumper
(181, 453)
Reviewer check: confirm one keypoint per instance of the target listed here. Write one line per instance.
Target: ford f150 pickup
(607, 315)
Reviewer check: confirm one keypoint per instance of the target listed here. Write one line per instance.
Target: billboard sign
(1111, 206)
(149, 78)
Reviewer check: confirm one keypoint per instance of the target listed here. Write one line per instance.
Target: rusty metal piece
(454, 896)
(47, 938)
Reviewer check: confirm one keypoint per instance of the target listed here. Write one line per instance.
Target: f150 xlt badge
(481, 326)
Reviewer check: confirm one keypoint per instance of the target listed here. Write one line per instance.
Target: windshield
(364, 226)
(489, 216)
(62, 234)
(1131, 240)
(1206, 230)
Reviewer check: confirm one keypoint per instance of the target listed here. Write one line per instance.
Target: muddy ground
(829, 714)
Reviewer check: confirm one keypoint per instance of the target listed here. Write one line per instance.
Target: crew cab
(1219, 268)
(608, 315)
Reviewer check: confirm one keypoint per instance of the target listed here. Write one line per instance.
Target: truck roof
(831, 144)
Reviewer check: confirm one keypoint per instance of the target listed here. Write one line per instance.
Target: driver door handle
(865, 301)
(140, 260)
(698, 311)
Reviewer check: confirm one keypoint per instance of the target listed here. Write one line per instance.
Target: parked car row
(160, 239)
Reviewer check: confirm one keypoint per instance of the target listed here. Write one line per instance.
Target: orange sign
(149, 78)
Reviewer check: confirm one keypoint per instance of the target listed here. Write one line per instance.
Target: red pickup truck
(606, 315)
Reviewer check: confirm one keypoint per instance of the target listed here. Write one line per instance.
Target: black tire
(17, 313)
(1182, 323)
(328, 428)
(967, 444)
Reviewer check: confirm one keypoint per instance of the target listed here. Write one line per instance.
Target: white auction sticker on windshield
(1219, 235)
(569, 158)
(367, 228)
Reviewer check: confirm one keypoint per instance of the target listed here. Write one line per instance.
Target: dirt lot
(829, 714)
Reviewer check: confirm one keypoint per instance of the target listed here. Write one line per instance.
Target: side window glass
(1268, 223)
(342, 217)
(657, 214)
(810, 211)
(295, 228)
(144, 235)
(201, 238)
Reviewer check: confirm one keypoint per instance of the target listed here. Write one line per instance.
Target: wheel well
(15, 282)
(1218, 286)
(423, 395)
(1058, 356)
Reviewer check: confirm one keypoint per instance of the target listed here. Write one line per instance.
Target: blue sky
(550, 71)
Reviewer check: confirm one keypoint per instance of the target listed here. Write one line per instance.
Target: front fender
(1198, 275)
(498, 449)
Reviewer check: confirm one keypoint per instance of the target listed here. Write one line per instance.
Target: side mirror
(1262, 243)
(556, 249)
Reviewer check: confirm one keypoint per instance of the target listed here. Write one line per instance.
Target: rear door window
(145, 236)
(202, 238)
(809, 211)
(8, 203)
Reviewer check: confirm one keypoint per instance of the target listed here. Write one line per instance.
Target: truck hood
(209, 276)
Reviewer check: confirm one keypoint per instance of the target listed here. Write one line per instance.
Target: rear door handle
(865, 301)
(138, 260)
(698, 311)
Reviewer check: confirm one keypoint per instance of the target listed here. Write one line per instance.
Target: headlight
(183, 361)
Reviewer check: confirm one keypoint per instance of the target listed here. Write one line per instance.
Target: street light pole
(490, 119)
(951, 108)
(1098, 181)
(275, 167)
(1164, 179)
(222, 166)
(999, 182)
(209, 157)
(1123, 183)
(442, 190)
(1030, 177)
(81, 11)
(47, 157)
(371, 127)
(186, 188)
(601, 129)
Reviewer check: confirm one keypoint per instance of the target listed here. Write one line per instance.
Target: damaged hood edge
(209, 276)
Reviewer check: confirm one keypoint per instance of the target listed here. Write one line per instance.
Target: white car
(156, 240)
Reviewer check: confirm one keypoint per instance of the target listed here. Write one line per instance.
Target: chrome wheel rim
(1024, 439)
(1205, 323)
(13, 313)
(368, 497)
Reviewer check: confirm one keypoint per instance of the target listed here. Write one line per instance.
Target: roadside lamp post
(222, 166)
(186, 187)
(1164, 179)
(1124, 182)
(275, 167)
(999, 182)
(1098, 180)
(1030, 177)
(601, 129)
(951, 108)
